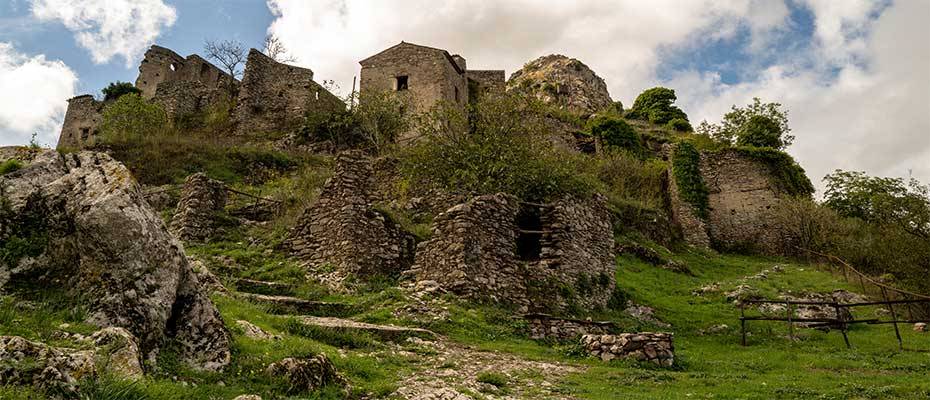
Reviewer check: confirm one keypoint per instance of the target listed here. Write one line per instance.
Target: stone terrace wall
(547, 327)
(276, 97)
(577, 250)
(163, 65)
(652, 347)
(472, 251)
(344, 230)
(82, 122)
(742, 194)
(201, 199)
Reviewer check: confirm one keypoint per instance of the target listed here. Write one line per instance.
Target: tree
(760, 131)
(655, 105)
(132, 118)
(734, 122)
(616, 133)
(274, 48)
(881, 201)
(231, 55)
(117, 89)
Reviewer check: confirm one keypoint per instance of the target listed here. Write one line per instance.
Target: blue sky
(846, 70)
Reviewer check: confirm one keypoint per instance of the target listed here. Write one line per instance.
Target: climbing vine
(686, 169)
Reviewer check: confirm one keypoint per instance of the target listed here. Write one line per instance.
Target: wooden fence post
(842, 322)
(742, 322)
(790, 325)
(894, 319)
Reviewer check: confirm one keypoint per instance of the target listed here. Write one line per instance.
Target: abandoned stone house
(742, 193)
(540, 257)
(427, 75)
(164, 65)
(82, 122)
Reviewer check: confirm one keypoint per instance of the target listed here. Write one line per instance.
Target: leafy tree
(680, 125)
(760, 131)
(734, 122)
(117, 89)
(881, 201)
(132, 118)
(616, 133)
(655, 105)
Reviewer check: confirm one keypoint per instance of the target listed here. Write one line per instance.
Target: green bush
(760, 131)
(131, 118)
(788, 174)
(735, 122)
(629, 179)
(9, 166)
(680, 125)
(616, 133)
(655, 105)
(117, 89)
(686, 162)
(495, 379)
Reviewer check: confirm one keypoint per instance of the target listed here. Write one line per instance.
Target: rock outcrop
(201, 200)
(306, 374)
(79, 222)
(562, 81)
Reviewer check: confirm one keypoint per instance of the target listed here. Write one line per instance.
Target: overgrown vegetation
(655, 106)
(788, 175)
(757, 124)
(616, 133)
(11, 165)
(130, 118)
(686, 168)
(117, 89)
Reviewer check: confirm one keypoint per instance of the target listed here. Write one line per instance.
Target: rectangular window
(456, 94)
(400, 83)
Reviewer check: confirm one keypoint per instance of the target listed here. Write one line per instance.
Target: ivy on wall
(686, 168)
(787, 174)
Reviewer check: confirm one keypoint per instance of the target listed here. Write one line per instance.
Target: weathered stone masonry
(82, 122)
(344, 230)
(656, 348)
(201, 200)
(163, 65)
(276, 97)
(547, 327)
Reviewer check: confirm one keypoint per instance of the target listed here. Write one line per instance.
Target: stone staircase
(279, 299)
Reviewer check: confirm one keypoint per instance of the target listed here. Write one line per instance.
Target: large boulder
(306, 374)
(79, 222)
(562, 81)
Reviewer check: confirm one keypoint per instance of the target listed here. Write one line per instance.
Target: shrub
(655, 105)
(760, 131)
(9, 166)
(117, 89)
(131, 118)
(492, 378)
(801, 224)
(686, 168)
(788, 175)
(735, 121)
(630, 179)
(680, 125)
(616, 133)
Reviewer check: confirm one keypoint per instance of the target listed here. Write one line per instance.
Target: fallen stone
(651, 347)
(248, 397)
(23, 362)
(920, 327)
(253, 331)
(306, 374)
(385, 332)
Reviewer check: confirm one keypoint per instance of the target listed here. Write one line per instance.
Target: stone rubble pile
(547, 327)
(646, 346)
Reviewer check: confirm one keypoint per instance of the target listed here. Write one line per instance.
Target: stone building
(164, 65)
(82, 122)
(342, 229)
(276, 97)
(427, 75)
(742, 192)
(540, 257)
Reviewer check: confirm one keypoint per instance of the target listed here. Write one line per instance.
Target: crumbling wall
(344, 230)
(164, 65)
(472, 251)
(547, 327)
(741, 195)
(481, 82)
(201, 199)
(276, 97)
(184, 98)
(656, 348)
(577, 252)
(82, 123)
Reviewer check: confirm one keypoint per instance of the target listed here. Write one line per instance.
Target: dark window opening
(204, 68)
(456, 94)
(529, 234)
(85, 133)
(400, 83)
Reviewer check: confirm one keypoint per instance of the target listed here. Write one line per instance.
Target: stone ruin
(547, 327)
(742, 192)
(539, 257)
(201, 199)
(343, 228)
(651, 347)
(276, 97)
(82, 122)
(164, 65)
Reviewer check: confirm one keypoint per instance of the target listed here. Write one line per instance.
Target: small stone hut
(82, 122)
(344, 230)
(540, 257)
(276, 97)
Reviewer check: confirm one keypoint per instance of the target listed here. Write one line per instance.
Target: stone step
(384, 332)
(264, 287)
(293, 305)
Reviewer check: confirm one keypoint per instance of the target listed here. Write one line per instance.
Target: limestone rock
(23, 362)
(94, 234)
(201, 199)
(306, 374)
(920, 327)
(248, 397)
(562, 81)
(253, 331)
(118, 350)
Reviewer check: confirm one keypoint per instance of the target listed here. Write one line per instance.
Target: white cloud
(872, 116)
(35, 93)
(109, 28)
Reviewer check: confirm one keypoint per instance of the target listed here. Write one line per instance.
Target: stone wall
(432, 76)
(577, 249)
(344, 230)
(481, 82)
(82, 123)
(537, 257)
(276, 97)
(163, 65)
(684, 215)
(472, 251)
(547, 327)
(652, 347)
(182, 98)
(201, 199)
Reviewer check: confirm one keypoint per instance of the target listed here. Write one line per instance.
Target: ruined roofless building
(428, 75)
(163, 65)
